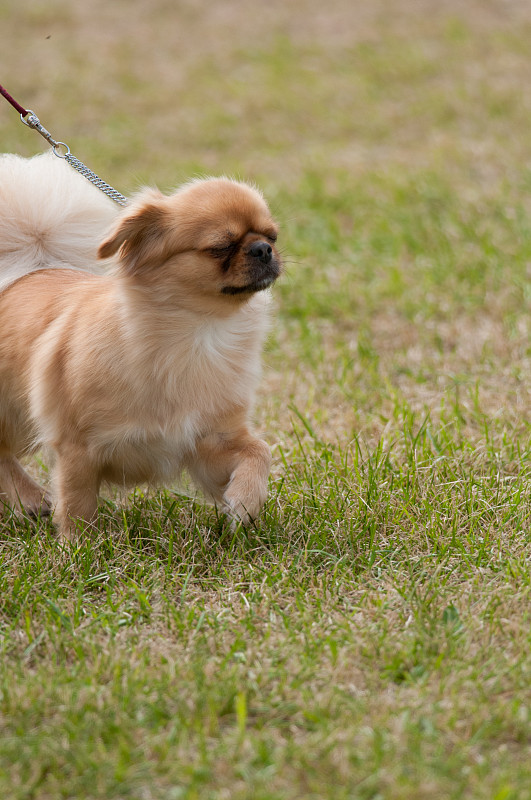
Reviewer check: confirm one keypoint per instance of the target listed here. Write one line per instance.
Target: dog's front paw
(243, 500)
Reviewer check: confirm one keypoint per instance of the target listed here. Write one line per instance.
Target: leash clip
(32, 121)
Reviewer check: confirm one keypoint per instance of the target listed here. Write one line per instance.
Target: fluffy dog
(146, 369)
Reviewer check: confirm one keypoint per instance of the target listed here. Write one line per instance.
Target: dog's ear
(139, 234)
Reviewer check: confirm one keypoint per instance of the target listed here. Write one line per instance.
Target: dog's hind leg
(21, 492)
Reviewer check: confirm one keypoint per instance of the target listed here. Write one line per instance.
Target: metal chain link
(93, 178)
(32, 121)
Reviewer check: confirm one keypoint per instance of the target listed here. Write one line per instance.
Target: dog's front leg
(246, 492)
(233, 468)
(77, 484)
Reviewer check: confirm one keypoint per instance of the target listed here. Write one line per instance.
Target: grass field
(371, 637)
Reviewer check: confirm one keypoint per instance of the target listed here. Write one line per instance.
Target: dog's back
(50, 216)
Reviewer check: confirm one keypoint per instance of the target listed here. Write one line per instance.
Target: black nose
(261, 250)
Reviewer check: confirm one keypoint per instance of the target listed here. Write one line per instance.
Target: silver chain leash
(93, 178)
(32, 121)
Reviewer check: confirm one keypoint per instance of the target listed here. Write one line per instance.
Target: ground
(370, 638)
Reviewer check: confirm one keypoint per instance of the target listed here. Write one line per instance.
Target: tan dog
(134, 375)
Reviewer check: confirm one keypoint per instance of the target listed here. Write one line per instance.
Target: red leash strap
(5, 93)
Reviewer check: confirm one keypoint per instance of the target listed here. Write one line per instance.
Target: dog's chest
(187, 394)
(216, 370)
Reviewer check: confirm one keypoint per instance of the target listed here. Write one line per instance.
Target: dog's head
(214, 240)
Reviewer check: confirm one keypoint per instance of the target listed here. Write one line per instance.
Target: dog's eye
(219, 252)
(224, 254)
(272, 237)
(222, 251)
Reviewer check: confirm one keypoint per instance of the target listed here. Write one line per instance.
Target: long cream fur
(49, 217)
(150, 367)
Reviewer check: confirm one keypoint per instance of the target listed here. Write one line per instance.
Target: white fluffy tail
(50, 216)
